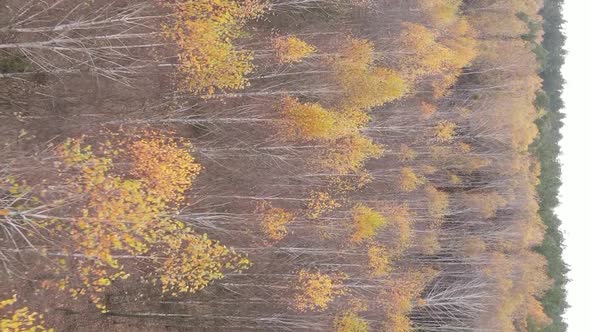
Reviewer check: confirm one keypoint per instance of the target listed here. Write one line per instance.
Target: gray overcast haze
(575, 161)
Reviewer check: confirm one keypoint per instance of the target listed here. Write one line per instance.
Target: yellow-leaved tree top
(290, 49)
(366, 223)
(205, 31)
(364, 84)
(316, 290)
(125, 215)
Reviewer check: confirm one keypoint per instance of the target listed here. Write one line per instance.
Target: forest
(281, 165)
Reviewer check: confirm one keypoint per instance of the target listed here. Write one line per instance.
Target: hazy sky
(575, 159)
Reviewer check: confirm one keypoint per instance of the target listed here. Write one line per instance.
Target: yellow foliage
(441, 85)
(432, 54)
(349, 154)
(440, 153)
(498, 25)
(7, 302)
(464, 112)
(315, 290)
(519, 278)
(428, 169)
(365, 85)
(438, 203)
(164, 163)
(429, 244)
(464, 147)
(356, 55)
(462, 27)
(357, 305)
(486, 204)
(291, 49)
(204, 31)
(373, 88)
(402, 294)
(402, 220)
(350, 322)
(406, 153)
(398, 323)
(353, 119)
(366, 223)
(192, 261)
(428, 56)
(441, 12)
(379, 260)
(20, 319)
(464, 51)
(113, 205)
(536, 312)
(344, 183)
(475, 163)
(409, 180)
(320, 203)
(274, 221)
(123, 213)
(533, 231)
(310, 121)
(445, 131)
(455, 179)
(473, 246)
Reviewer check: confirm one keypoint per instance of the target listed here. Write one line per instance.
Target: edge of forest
(546, 148)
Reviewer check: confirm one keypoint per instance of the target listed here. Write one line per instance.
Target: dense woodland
(280, 165)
